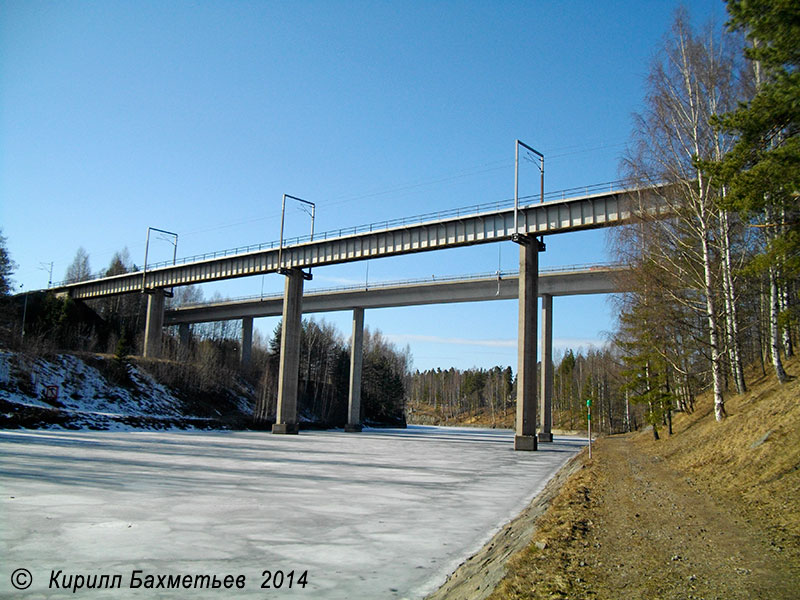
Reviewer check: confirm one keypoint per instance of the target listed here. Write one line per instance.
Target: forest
(486, 397)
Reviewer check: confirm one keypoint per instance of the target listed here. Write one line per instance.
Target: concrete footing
(545, 436)
(353, 428)
(286, 428)
(525, 442)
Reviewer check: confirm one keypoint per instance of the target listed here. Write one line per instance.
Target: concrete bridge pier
(184, 335)
(246, 349)
(289, 369)
(184, 341)
(546, 381)
(529, 248)
(153, 324)
(356, 361)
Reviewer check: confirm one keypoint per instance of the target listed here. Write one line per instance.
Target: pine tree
(762, 170)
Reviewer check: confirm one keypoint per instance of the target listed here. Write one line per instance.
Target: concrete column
(246, 351)
(184, 339)
(525, 438)
(546, 382)
(183, 335)
(289, 369)
(356, 359)
(154, 324)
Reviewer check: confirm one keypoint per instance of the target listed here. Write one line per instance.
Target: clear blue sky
(196, 117)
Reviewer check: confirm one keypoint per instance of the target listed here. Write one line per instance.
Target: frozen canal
(380, 514)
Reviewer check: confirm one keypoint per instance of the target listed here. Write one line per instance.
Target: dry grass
(425, 414)
(751, 459)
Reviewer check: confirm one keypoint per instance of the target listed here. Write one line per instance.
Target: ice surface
(380, 514)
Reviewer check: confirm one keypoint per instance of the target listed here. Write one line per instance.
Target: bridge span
(478, 224)
(586, 279)
(580, 280)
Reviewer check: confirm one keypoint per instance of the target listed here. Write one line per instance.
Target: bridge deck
(586, 212)
(505, 286)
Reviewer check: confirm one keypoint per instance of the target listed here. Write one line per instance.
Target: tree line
(452, 396)
(325, 378)
(487, 396)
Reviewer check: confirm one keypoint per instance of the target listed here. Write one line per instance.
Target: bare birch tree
(78, 269)
(691, 79)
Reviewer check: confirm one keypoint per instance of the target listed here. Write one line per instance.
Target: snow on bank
(86, 398)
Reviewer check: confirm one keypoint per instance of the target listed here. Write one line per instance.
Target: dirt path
(628, 526)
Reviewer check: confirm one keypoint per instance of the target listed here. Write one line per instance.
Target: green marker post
(589, 420)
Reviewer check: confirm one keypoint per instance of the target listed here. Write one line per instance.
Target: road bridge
(585, 279)
(464, 227)
(501, 285)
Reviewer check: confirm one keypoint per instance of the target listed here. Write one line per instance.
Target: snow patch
(87, 399)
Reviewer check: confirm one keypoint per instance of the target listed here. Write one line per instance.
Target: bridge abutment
(525, 438)
(546, 381)
(154, 324)
(356, 362)
(289, 369)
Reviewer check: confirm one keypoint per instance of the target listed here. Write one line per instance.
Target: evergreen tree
(7, 267)
(762, 170)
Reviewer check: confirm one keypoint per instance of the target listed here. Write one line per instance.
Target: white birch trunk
(774, 329)
(732, 324)
(627, 412)
(784, 297)
(788, 347)
(713, 335)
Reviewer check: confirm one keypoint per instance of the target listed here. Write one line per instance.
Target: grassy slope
(748, 465)
(751, 459)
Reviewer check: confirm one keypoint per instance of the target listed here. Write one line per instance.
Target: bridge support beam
(153, 324)
(546, 381)
(289, 369)
(246, 350)
(356, 360)
(525, 438)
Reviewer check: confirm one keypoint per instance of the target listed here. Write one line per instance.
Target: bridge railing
(463, 211)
